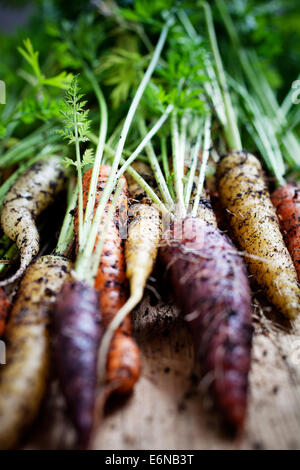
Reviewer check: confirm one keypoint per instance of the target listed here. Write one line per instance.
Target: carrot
(4, 308)
(24, 377)
(143, 235)
(286, 200)
(206, 273)
(243, 192)
(210, 286)
(141, 246)
(141, 249)
(33, 191)
(123, 359)
(78, 330)
(23, 380)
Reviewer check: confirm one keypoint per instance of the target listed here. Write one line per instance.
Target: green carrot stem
(28, 140)
(211, 86)
(262, 132)
(182, 141)
(213, 90)
(99, 152)
(114, 137)
(5, 243)
(146, 140)
(187, 24)
(147, 188)
(85, 252)
(108, 148)
(231, 128)
(194, 162)
(178, 177)
(22, 149)
(94, 138)
(11, 254)
(67, 229)
(262, 89)
(205, 156)
(166, 167)
(23, 154)
(244, 60)
(161, 182)
(79, 174)
(252, 71)
(140, 180)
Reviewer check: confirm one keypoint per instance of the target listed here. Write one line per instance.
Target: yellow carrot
(143, 235)
(244, 194)
(24, 376)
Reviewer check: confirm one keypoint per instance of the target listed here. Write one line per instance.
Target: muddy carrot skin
(4, 309)
(123, 361)
(286, 200)
(243, 192)
(77, 332)
(210, 286)
(33, 191)
(23, 379)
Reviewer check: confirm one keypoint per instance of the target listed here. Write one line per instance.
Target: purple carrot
(210, 285)
(78, 331)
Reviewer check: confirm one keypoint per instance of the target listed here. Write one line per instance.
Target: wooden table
(168, 410)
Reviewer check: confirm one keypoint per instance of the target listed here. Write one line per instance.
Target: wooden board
(168, 410)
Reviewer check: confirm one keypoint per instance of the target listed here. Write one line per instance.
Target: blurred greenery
(272, 29)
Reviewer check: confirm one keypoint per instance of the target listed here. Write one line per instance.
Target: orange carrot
(123, 361)
(4, 307)
(286, 200)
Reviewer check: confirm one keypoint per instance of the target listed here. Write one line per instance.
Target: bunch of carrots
(151, 159)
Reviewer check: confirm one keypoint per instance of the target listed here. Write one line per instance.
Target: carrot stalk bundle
(210, 286)
(286, 200)
(207, 275)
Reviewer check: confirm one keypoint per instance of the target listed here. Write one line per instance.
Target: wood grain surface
(169, 408)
